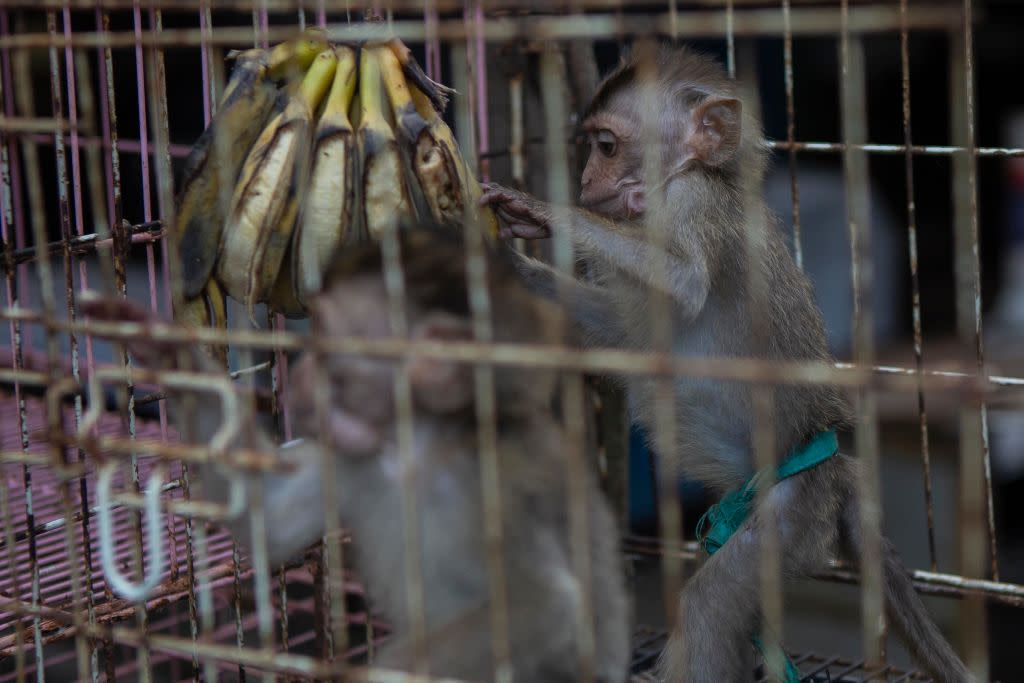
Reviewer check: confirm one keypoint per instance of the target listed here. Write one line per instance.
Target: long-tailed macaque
(544, 597)
(710, 161)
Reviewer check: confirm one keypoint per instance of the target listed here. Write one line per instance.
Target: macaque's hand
(350, 433)
(149, 353)
(521, 215)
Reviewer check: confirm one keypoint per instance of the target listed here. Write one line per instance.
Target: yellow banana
(213, 165)
(330, 202)
(273, 178)
(385, 198)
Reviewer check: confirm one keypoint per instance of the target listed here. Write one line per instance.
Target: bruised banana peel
(385, 198)
(215, 161)
(213, 166)
(266, 199)
(451, 190)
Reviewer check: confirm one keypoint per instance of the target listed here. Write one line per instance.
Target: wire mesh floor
(40, 548)
(814, 668)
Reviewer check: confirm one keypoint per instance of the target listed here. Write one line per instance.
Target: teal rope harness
(724, 517)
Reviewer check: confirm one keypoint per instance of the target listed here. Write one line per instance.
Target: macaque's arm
(683, 277)
(589, 306)
(293, 514)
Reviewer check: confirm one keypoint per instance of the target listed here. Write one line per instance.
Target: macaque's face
(361, 404)
(612, 183)
(705, 134)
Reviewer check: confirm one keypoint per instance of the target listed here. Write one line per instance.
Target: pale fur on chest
(711, 418)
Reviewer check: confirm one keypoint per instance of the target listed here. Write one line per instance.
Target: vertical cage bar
(433, 44)
(157, 88)
(143, 655)
(730, 37)
(487, 438)
(7, 151)
(915, 285)
(44, 273)
(853, 95)
(483, 136)
(556, 117)
(657, 230)
(394, 280)
(483, 380)
(14, 102)
(975, 478)
(794, 186)
(76, 185)
(332, 589)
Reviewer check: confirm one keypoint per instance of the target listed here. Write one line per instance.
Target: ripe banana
(330, 203)
(267, 197)
(385, 197)
(213, 165)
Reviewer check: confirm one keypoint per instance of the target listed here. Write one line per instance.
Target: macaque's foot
(520, 214)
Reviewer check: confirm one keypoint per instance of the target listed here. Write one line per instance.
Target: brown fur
(719, 239)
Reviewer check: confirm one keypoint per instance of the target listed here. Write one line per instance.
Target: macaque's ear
(440, 385)
(715, 130)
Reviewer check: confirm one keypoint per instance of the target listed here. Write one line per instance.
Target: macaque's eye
(606, 143)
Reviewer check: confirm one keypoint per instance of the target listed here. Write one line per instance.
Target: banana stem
(343, 88)
(394, 81)
(370, 90)
(295, 54)
(318, 79)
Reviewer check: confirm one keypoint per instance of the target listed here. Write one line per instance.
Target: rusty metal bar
(485, 392)
(33, 177)
(787, 50)
(670, 518)
(599, 361)
(975, 477)
(915, 284)
(555, 93)
(853, 94)
(182, 151)
(7, 233)
(699, 24)
(933, 583)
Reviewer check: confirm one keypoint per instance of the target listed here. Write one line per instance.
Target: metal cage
(101, 101)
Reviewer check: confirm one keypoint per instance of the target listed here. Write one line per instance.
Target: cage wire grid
(212, 614)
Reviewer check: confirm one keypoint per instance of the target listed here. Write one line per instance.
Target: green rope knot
(724, 517)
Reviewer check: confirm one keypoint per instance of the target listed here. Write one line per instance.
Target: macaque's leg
(589, 306)
(720, 605)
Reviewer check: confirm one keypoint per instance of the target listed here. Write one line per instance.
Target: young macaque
(543, 594)
(711, 161)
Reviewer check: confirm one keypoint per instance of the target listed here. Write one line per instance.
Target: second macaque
(357, 426)
(701, 217)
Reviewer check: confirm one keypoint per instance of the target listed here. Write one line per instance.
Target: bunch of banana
(313, 145)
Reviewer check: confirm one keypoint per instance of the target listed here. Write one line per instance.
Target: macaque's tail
(906, 611)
